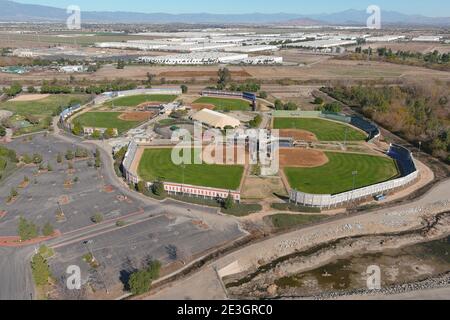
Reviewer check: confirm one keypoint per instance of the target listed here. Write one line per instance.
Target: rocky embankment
(262, 282)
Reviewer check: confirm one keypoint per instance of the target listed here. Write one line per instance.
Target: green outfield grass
(133, 101)
(323, 129)
(224, 104)
(157, 164)
(41, 109)
(336, 176)
(105, 120)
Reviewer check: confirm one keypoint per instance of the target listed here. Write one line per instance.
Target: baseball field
(336, 175)
(122, 121)
(133, 101)
(223, 104)
(323, 130)
(157, 164)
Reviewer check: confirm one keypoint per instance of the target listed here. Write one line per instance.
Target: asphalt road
(16, 281)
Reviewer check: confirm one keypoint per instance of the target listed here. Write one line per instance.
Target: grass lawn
(42, 109)
(286, 221)
(336, 176)
(323, 129)
(106, 120)
(133, 101)
(157, 163)
(223, 104)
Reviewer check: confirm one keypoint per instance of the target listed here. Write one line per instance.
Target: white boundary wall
(328, 201)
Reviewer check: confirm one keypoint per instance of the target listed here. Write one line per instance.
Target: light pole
(87, 243)
(420, 146)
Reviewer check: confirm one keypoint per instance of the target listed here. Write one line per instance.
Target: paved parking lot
(49, 192)
(165, 238)
(172, 232)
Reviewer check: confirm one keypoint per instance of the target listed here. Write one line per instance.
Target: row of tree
(418, 112)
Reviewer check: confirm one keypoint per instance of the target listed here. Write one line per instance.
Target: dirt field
(298, 135)
(256, 188)
(29, 97)
(136, 116)
(304, 158)
(195, 74)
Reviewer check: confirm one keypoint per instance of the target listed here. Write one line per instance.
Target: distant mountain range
(11, 11)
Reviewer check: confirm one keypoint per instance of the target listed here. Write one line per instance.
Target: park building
(215, 119)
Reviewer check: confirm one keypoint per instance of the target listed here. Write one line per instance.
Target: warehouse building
(203, 58)
(215, 119)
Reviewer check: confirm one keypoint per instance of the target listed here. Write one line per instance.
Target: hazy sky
(435, 8)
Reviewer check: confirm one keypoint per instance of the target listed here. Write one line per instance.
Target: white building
(250, 49)
(203, 58)
(262, 60)
(385, 38)
(215, 119)
(73, 69)
(427, 39)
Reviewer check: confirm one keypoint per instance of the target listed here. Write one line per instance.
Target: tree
(120, 64)
(31, 89)
(97, 218)
(27, 230)
(96, 134)
(158, 188)
(14, 90)
(229, 202)
(318, 100)
(141, 280)
(141, 186)
(150, 78)
(37, 158)
(224, 78)
(256, 122)
(77, 129)
(184, 88)
(2, 131)
(69, 155)
(40, 269)
(278, 104)
(48, 230)
(109, 133)
(59, 158)
(263, 95)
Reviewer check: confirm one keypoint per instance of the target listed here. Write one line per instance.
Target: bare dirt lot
(305, 158)
(29, 97)
(190, 74)
(136, 116)
(298, 135)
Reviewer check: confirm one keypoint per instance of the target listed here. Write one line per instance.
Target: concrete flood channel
(344, 275)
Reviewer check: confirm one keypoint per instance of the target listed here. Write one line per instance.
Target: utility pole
(87, 243)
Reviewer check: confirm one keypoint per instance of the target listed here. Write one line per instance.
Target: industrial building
(262, 60)
(250, 49)
(215, 119)
(203, 58)
(427, 39)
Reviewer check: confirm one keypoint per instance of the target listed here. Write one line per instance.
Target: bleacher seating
(403, 158)
(365, 125)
